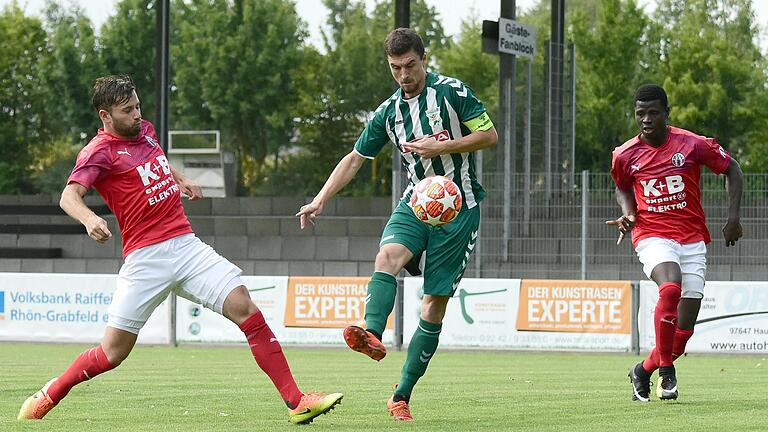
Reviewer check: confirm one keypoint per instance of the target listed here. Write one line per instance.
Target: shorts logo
(678, 159)
(2, 305)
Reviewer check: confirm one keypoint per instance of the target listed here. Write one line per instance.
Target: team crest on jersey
(678, 159)
(150, 140)
(433, 115)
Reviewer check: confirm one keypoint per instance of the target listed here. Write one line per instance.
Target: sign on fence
(65, 308)
(503, 313)
(733, 318)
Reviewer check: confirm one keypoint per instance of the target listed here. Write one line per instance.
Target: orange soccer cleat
(365, 342)
(399, 410)
(37, 405)
(313, 405)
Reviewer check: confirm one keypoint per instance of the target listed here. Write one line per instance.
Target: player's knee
(669, 296)
(238, 306)
(387, 261)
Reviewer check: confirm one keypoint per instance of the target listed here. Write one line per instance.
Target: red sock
(665, 320)
(681, 339)
(270, 358)
(86, 366)
(651, 363)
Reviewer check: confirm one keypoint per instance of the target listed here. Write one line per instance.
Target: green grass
(221, 389)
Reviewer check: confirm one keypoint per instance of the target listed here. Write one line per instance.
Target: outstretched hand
(308, 213)
(732, 232)
(624, 223)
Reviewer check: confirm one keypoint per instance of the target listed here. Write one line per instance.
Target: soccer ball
(436, 200)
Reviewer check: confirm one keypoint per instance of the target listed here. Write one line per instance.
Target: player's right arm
(625, 197)
(344, 172)
(73, 204)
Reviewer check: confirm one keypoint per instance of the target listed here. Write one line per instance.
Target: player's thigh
(144, 281)
(206, 277)
(405, 229)
(693, 265)
(654, 251)
(448, 252)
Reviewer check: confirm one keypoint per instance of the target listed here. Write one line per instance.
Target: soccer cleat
(37, 405)
(365, 342)
(399, 410)
(641, 387)
(667, 387)
(313, 405)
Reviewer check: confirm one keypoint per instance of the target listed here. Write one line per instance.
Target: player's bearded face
(408, 70)
(126, 117)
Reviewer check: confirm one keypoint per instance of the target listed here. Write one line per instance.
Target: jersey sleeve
(470, 110)
(374, 136)
(619, 172)
(712, 155)
(92, 163)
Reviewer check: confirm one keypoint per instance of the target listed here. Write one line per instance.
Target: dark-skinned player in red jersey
(125, 164)
(657, 187)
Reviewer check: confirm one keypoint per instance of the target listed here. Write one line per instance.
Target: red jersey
(134, 178)
(665, 182)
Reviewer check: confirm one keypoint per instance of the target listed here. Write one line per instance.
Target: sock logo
(2, 305)
(425, 356)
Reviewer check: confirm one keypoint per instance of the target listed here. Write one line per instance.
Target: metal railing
(563, 234)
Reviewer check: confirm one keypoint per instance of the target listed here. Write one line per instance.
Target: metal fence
(564, 235)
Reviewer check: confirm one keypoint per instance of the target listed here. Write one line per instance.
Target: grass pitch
(222, 389)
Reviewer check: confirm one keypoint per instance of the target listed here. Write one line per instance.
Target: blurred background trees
(290, 110)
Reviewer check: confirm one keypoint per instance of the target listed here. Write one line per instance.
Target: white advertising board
(733, 318)
(489, 313)
(65, 308)
(299, 310)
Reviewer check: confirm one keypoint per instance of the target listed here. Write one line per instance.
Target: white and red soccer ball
(436, 200)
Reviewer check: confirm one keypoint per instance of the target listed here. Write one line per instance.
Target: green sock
(381, 299)
(420, 351)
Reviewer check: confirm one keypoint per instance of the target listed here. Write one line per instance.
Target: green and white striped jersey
(446, 109)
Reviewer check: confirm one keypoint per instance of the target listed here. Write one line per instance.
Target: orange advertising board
(327, 302)
(581, 306)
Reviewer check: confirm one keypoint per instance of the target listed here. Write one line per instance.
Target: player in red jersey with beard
(125, 164)
(657, 187)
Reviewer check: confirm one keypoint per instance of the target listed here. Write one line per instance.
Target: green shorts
(448, 247)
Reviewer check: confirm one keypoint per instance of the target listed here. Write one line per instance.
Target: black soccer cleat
(667, 388)
(641, 384)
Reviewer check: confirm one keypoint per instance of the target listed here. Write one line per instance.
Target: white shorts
(691, 257)
(184, 265)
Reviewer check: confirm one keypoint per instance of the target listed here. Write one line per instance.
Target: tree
(23, 101)
(610, 53)
(715, 74)
(127, 45)
(238, 77)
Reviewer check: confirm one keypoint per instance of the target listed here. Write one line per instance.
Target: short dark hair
(651, 92)
(402, 40)
(112, 90)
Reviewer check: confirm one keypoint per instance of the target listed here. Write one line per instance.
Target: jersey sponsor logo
(124, 151)
(443, 135)
(150, 140)
(151, 170)
(678, 159)
(654, 187)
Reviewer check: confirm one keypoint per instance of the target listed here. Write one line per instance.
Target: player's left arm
(734, 181)
(188, 187)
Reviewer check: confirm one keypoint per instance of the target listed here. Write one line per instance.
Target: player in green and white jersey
(437, 123)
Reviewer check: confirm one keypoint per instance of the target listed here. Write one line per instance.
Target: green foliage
(609, 58)
(715, 75)
(127, 46)
(235, 67)
(24, 103)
